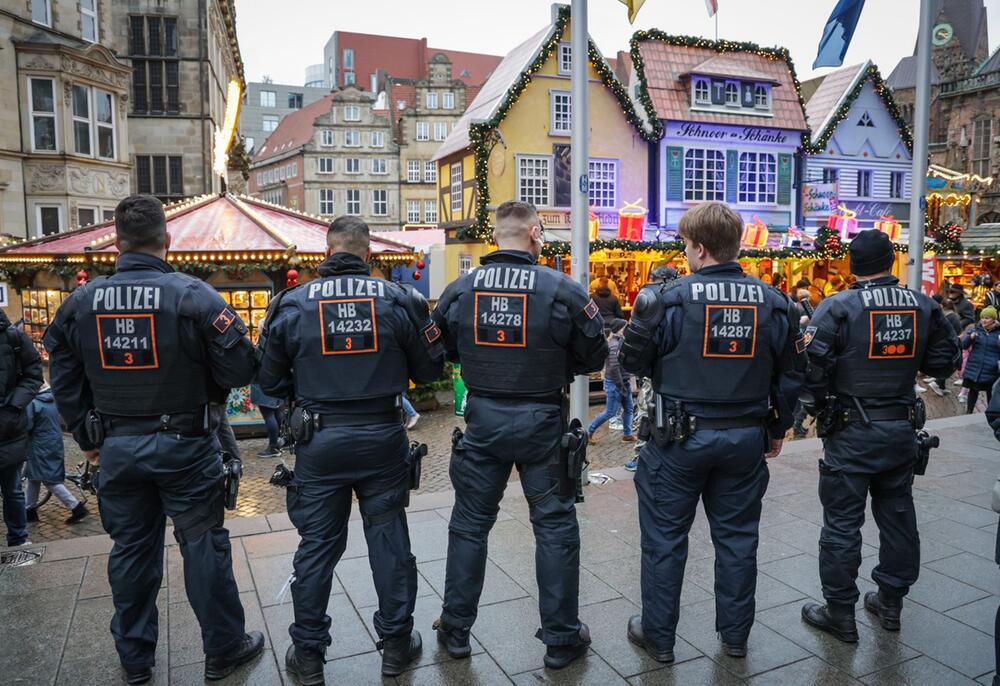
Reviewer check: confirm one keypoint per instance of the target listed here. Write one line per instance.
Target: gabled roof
(666, 59)
(730, 66)
(294, 130)
(838, 90)
(401, 94)
(905, 75)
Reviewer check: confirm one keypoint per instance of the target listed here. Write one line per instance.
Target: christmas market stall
(245, 248)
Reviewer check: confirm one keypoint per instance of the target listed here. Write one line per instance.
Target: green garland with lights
(481, 133)
(883, 92)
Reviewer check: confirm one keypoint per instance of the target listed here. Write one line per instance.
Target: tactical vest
(886, 337)
(724, 353)
(131, 339)
(506, 340)
(348, 347)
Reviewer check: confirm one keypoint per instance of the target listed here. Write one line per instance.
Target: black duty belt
(324, 421)
(880, 414)
(543, 399)
(727, 423)
(189, 424)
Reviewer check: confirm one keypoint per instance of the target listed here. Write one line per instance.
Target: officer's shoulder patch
(224, 320)
(807, 336)
(800, 344)
(590, 309)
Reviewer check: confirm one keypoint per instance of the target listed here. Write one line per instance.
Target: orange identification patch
(224, 320)
(892, 334)
(348, 327)
(127, 341)
(501, 319)
(730, 331)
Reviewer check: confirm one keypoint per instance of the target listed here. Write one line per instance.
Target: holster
(232, 471)
(302, 424)
(669, 425)
(94, 428)
(830, 419)
(415, 458)
(572, 461)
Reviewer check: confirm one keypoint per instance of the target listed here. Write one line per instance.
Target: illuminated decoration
(593, 225)
(755, 234)
(792, 237)
(889, 226)
(224, 136)
(632, 221)
(845, 223)
(482, 134)
(948, 236)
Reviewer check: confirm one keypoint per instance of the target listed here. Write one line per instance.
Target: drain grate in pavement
(21, 558)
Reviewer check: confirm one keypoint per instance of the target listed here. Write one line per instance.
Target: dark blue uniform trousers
(502, 434)
(144, 479)
(370, 461)
(727, 471)
(860, 460)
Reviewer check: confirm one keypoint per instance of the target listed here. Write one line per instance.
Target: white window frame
(464, 264)
(268, 98)
(38, 219)
(430, 211)
(47, 4)
(92, 13)
(440, 130)
(413, 171)
(42, 114)
(348, 58)
(423, 131)
(448, 100)
(350, 162)
(754, 185)
(380, 166)
(326, 138)
(864, 175)
(601, 192)
(431, 100)
(702, 91)
(560, 125)
(455, 187)
(354, 203)
(535, 197)
(327, 205)
(412, 211)
(378, 139)
(384, 202)
(269, 119)
(732, 94)
(565, 61)
(77, 119)
(696, 189)
(348, 136)
(325, 165)
(98, 125)
(430, 172)
(350, 78)
(352, 113)
(761, 97)
(897, 184)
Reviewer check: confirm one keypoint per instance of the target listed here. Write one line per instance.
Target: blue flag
(838, 33)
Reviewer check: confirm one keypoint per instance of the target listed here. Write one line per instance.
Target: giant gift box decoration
(755, 235)
(890, 226)
(845, 223)
(594, 225)
(631, 221)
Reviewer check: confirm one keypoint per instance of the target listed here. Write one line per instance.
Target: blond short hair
(716, 226)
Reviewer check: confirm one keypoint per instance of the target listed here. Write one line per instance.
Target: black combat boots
(455, 641)
(836, 620)
(886, 609)
(399, 651)
(636, 635)
(305, 665)
(220, 666)
(558, 657)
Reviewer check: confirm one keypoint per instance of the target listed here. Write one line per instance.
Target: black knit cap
(871, 253)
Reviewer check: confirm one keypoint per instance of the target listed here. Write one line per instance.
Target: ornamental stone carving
(98, 182)
(46, 177)
(93, 73)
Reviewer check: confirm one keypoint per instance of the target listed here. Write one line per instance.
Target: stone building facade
(424, 112)
(267, 104)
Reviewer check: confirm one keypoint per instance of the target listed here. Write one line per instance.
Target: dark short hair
(349, 234)
(716, 226)
(514, 209)
(140, 224)
(662, 273)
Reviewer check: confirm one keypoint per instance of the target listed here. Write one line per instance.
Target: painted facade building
(518, 130)
(860, 154)
(732, 123)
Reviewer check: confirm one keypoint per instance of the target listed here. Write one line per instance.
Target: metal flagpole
(580, 242)
(921, 123)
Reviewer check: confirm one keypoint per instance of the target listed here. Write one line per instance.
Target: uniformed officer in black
(148, 349)
(343, 346)
(721, 348)
(521, 332)
(866, 345)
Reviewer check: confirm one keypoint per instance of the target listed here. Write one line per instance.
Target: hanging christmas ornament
(292, 278)
(417, 276)
(81, 277)
(421, 264)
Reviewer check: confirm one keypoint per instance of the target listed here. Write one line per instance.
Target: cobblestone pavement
(258, 497)
(59, 610)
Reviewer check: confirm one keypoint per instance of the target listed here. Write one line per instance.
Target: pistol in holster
(456, 437)
(669, 425)
(831, 418)
(572, 461)
(232, 472)
(93, 427)
(302, 423)
(414, 459)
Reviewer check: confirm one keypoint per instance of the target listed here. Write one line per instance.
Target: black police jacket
(347, 336)
(870, 341)
(145, 341)
(520, 329)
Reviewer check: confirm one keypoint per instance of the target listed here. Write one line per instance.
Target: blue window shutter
(784, 179)
(674, 162)
(732, 174)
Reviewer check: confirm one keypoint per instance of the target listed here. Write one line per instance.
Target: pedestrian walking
(865, 347)
(147, 408)
(521, 332)
(724, 352)
(607, 302)
(617, 388)
(981, 371)
(20, 379)
(343, 346)
(966, 313)
(47, 458)
(271, 411)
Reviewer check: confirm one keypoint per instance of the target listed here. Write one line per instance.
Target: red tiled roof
(665, 64)
(731, 66)
(294, 130)
(401, 94)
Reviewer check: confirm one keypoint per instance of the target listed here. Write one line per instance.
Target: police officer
(724, 353)
(343, 347)
(866, 345)
(135, 360)
(521, 332)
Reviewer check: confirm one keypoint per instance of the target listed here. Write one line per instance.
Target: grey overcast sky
(280, 37)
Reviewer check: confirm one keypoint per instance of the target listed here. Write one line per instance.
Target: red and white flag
(712, 6)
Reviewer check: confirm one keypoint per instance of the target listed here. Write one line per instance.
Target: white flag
(712, 6)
